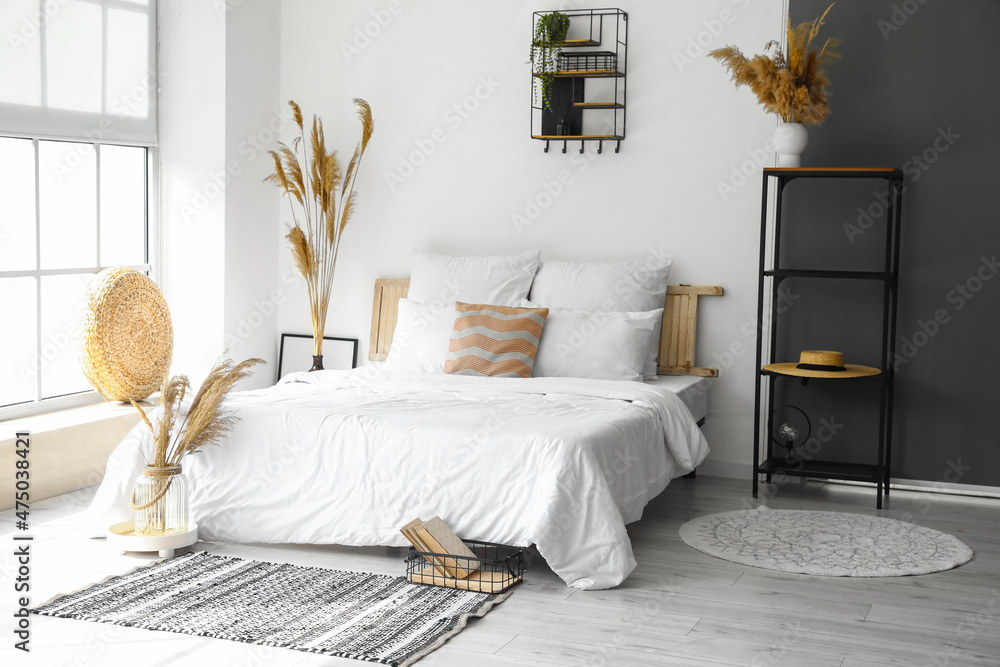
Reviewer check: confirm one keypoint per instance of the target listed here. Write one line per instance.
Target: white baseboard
(715, 468)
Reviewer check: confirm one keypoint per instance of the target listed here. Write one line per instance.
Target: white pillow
(594, 344)
(422, 335)
(617, 287)
(498, 281)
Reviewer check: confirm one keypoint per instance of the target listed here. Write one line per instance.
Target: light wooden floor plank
(679, 607)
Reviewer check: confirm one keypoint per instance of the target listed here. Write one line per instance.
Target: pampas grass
(325, 197)
(205, 420)
(791, 85)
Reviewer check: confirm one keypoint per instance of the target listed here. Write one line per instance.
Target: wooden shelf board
(820, 273)
(598, 105)
(577, 137)
(585, 74)
(839, 172)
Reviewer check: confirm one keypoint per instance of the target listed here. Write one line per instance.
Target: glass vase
(160, 501)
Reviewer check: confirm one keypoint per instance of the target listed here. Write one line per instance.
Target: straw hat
(822, 364)
(128, 339)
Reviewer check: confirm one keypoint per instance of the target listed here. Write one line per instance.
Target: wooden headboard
(677, 338)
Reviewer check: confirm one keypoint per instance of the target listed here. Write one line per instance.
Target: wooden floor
(679, 607)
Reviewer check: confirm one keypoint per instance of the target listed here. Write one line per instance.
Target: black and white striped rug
(370, 617)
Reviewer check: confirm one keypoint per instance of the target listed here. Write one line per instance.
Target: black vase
(317, 363)
(562, 129)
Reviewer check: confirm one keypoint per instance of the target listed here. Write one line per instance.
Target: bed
(347, 457)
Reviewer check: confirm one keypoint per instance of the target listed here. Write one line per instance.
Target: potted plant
(546, 47)
(790, 84)
(321, 198)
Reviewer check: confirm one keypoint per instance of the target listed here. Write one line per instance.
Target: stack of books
(450, 562)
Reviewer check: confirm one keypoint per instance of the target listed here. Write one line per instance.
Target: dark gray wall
(918, 88)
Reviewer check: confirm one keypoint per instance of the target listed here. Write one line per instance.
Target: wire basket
(495, 568)
(588, 61)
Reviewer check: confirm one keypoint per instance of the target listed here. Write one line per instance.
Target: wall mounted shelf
(607, 28)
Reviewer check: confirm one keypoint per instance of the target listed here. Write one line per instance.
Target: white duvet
(347, 457)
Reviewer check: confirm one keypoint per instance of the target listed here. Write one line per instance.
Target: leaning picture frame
(295, 353)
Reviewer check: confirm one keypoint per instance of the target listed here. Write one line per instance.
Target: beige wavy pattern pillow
(494, 341)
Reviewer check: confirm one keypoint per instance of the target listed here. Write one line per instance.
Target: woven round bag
(128, 339)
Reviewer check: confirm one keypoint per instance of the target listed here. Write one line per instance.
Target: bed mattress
(692, 390)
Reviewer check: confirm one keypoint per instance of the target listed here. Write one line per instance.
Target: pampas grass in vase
(791, 85)
(160, 498)
(321, 199)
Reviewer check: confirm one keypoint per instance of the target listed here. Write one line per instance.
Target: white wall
(688, 129)
(220, 115)
(254, 121)
(192, 146)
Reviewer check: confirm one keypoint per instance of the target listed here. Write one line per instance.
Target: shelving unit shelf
(766, 461)
(607, 28)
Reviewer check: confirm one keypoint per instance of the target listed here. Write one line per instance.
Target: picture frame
(295, 353)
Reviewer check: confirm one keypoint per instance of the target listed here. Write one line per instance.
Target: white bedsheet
(347, 457)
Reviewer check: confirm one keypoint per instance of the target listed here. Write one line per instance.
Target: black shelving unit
(769, 279)
(590, 28)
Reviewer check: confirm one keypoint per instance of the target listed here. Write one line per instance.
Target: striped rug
(370, 617)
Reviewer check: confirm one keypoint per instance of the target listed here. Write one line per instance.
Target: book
(409, 531)
(436, 537)
(448, 542)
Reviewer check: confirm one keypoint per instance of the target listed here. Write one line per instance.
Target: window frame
(36, 125)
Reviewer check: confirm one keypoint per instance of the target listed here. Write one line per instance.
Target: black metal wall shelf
(765, 461)
(607, 28)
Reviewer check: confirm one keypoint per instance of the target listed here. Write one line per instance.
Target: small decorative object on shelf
(325, 199)
(790, 84)
(561, 72)
(786, 425)
(589, 61)
(160, 497)
(546, 51)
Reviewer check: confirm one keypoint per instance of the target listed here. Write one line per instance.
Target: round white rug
(833, 544)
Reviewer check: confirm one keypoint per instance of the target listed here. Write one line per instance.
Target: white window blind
(79, 69)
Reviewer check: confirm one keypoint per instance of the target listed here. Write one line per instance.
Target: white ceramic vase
(790, 140)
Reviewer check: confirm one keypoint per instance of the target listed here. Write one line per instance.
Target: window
(77, 179)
